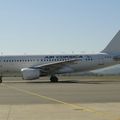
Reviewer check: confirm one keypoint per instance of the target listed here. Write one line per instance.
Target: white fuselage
(12, 65)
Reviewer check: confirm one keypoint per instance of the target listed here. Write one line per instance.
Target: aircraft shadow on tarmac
(79, 82)
(68, 82)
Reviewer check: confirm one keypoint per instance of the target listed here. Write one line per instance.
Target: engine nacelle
(30, 74)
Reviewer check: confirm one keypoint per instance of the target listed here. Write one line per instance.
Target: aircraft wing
(52, 68)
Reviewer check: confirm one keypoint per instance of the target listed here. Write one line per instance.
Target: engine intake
(30, 74)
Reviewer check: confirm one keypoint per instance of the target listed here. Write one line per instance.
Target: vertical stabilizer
(114, 45)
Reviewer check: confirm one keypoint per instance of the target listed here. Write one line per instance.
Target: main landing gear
(53, 79)
(0, 79)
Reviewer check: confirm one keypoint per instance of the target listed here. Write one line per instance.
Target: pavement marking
(75, 107)
(9, 112)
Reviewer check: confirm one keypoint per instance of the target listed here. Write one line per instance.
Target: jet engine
(30, 74)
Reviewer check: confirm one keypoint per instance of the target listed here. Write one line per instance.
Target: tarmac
(73, 98)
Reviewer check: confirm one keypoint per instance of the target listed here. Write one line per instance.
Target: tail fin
(114, 45)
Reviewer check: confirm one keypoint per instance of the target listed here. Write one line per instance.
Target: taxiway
(72, 98)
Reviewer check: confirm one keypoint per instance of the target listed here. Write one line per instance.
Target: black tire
(0, 79)
(53, 79)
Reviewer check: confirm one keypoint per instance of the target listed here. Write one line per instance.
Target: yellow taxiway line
(75, 107)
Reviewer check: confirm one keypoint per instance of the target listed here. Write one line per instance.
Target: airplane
(32, 67)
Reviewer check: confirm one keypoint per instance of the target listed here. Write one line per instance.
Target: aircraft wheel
(53, 79)
(0, 79)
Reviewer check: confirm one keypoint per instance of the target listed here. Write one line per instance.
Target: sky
(57, 26)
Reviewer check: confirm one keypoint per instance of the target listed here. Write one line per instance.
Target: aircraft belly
(83, 66)
(77, 68)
